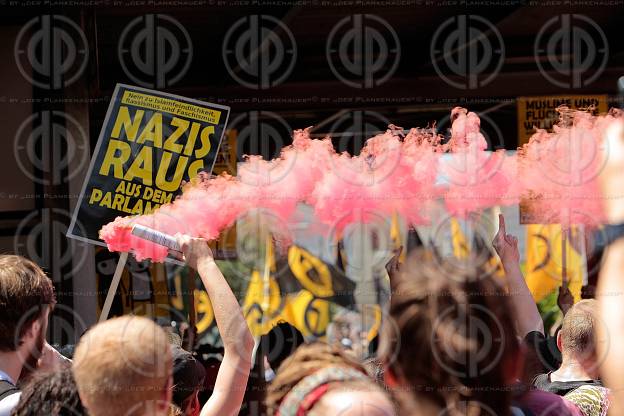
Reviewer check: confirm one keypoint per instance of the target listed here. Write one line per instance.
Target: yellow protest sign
(541, 111)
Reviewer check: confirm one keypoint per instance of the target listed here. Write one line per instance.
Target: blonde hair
(123, 366)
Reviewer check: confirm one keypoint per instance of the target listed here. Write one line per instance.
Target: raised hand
(506, 245)
(195, 250)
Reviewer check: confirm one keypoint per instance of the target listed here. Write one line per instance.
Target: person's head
(576, 339)
(123, 366)
(322, 379)
(449, 344)
(26, 298)
(280, 342)
(53, 394)
(188, 379)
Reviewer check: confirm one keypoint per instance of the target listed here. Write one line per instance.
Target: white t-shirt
(8, 403)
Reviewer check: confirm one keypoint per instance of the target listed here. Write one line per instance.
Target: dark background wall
(347, 68)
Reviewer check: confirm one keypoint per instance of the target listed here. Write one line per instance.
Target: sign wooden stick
(121, 263)
(190, 298)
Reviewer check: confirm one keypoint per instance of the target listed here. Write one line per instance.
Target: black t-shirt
(542, 355)
(542, 382)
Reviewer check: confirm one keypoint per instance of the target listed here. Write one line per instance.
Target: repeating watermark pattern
(470, 250)
(65, 323)
(467, 51)
(254, 231)
(155, 50)
(263, 133)
(41, 237)
(475, 322)
(571, 50)
(352, 129)
(579, 157)
(259, 51)
(474, 166)
(363, 50)
(45, 141)
(51, 51)
(365, 242)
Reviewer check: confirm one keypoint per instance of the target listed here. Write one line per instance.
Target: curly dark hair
(53, 393)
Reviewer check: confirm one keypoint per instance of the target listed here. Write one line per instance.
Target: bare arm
(527, 315)
(238, 342)
(610, 290)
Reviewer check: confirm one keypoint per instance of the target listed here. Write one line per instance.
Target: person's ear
(559, 342)
(32, 333)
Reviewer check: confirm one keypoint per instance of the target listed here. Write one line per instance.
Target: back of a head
(322, 378)
(123, 366)
(24, 291)
(578, 330)
(281, 341)
(53, 394)
(188, 376)
(450, 335)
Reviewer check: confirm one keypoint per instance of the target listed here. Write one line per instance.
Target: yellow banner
(168, 105)
(541, 111)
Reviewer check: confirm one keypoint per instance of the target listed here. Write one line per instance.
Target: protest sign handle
(121, 263)
(192, 316)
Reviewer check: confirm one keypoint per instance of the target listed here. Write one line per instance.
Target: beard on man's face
(30, 364)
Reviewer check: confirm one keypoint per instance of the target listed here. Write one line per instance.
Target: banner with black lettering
(541, 112)
(150, 142)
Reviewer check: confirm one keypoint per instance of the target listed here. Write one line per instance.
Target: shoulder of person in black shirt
(561, 388)
(542, 355)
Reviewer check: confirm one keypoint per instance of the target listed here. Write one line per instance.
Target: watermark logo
(467, 51)
(571, 50)
(41, 237)
(471, 167)
(51, 51)
(363, 50)
(45, 141)
(350, 130)
(472, 322)
(260, 133)
(259, 51)
(155, 50)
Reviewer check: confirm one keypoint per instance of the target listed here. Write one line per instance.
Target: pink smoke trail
(394, 173)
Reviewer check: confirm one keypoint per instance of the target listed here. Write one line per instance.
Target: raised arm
(528, 318)
(610, 290)
(238, 342)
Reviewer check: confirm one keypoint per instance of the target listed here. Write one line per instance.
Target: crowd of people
(455, 341)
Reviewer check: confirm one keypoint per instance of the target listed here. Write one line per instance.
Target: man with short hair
(576, 341)
(26, 300)
(123, 367)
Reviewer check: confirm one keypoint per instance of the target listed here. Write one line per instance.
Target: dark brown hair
(25, 291)
(52, 393)
(449, 337)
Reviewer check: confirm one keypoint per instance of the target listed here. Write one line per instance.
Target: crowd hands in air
(429, 360)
